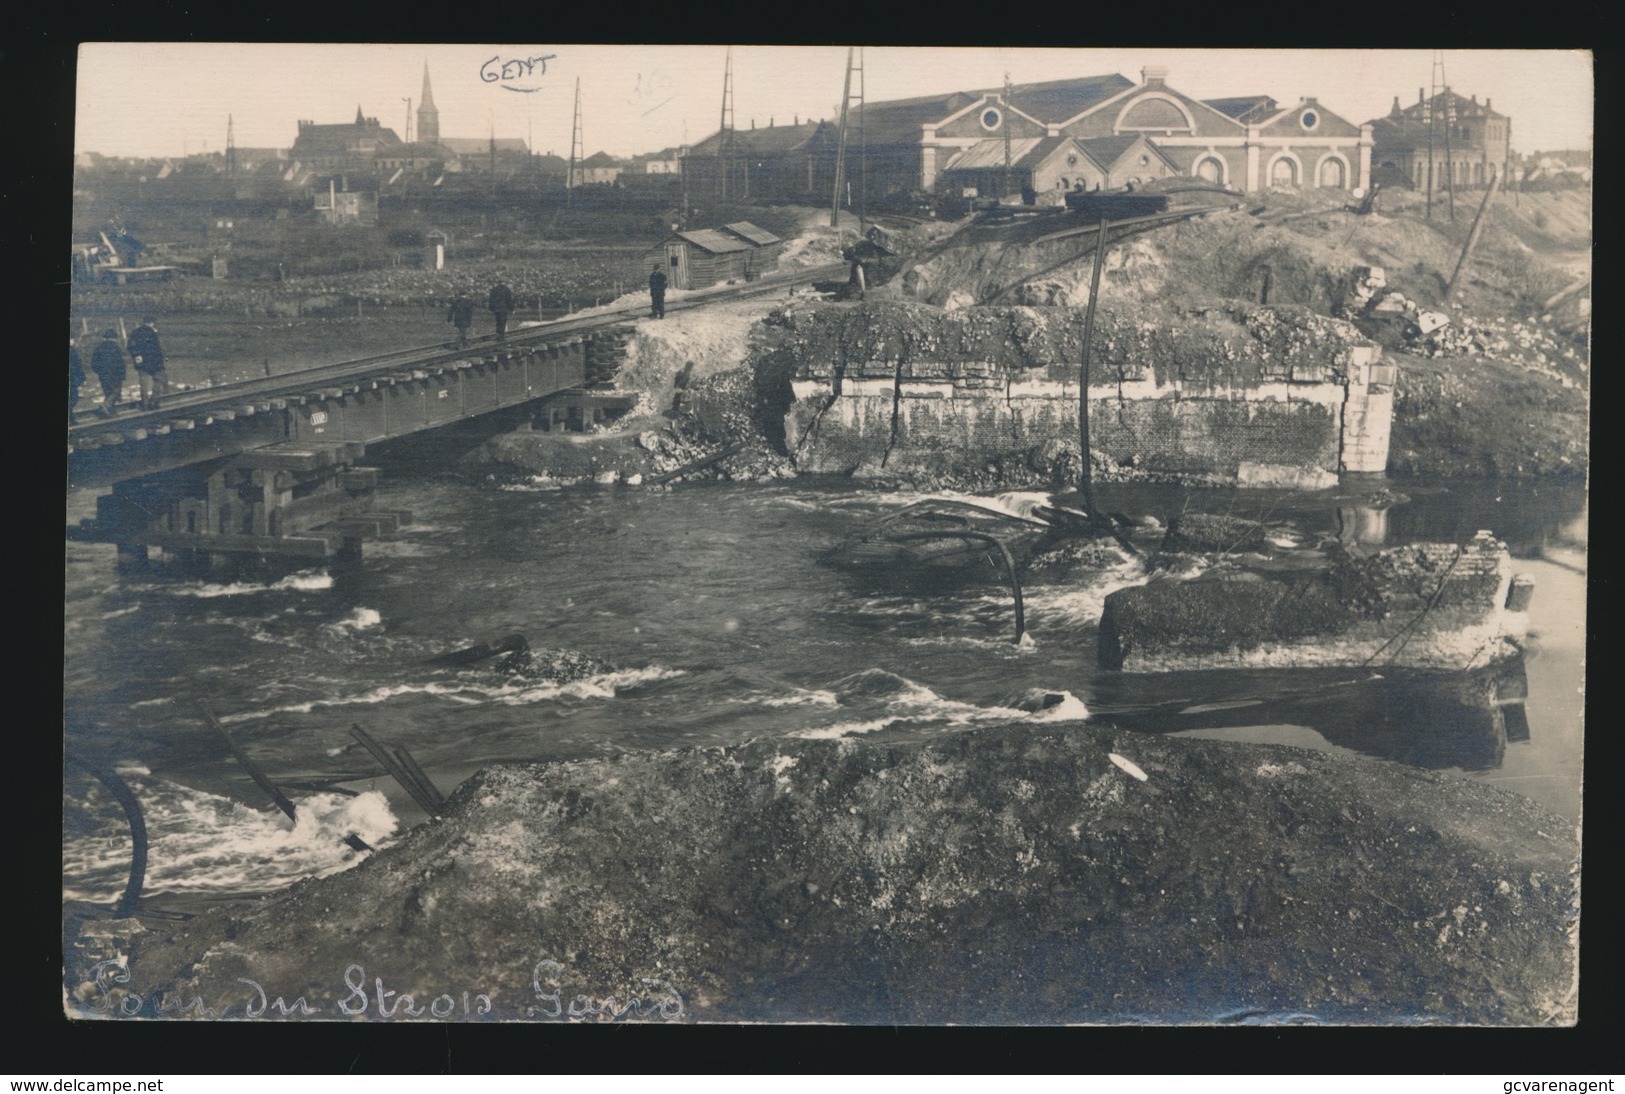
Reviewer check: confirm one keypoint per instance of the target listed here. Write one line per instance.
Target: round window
(1309, 119)
(1072, 161)
(1144, 160)
(991, 118)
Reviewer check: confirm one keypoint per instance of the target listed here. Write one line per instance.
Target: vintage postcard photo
(826, 534)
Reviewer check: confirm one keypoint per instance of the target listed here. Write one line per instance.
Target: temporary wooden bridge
(272, 466)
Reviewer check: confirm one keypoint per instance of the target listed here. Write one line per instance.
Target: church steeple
(360, 118)
(428, 116)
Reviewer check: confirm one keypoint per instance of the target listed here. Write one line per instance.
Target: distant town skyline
(640, 99)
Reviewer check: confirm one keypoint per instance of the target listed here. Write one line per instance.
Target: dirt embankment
(1506, 387)
(1501, 387)
(1023, 874)
(691, 376)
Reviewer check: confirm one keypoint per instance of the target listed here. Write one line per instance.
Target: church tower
(428, 116)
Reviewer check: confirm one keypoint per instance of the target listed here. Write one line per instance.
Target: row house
(1045, 169)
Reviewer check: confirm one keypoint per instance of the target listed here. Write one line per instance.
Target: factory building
(958, 141)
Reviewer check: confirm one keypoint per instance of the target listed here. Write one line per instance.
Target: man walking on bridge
(657, 293)
(148, 354)
(108, 365)
(461, 316)
(501, 304)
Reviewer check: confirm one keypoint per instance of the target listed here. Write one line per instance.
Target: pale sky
(638, 99)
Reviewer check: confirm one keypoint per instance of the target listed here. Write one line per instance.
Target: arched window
(1332, 174)
(1154, 113)
(1283, 172)
(1209, 169)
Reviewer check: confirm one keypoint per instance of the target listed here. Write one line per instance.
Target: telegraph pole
(1005, 125)
(1427, 117)
(1085, 474)
(1449, 163)
(725, 126)
(406, 133)
(863, 155)
(682, 173)
(840, 146)
(576, 147)
(1430, 112)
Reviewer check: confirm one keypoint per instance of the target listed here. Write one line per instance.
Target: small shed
(767, 244)
(712, 256)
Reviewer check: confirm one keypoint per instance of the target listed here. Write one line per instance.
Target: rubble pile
(721, 410)
(1532, 345)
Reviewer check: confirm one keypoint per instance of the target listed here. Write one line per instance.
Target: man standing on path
(108, 365)
(501, 303)
(657, 292)
(461, 316)
(148, 354)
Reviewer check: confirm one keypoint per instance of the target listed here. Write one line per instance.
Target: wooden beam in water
(420, 777)
(396, 771)
(264, 782)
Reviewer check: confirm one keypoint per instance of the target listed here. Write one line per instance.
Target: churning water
(718, 624)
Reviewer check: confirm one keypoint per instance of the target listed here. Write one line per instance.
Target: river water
(721, 625)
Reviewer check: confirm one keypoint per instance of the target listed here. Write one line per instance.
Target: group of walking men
(501, 301)
(145, 350)
(107, 361)
(461, 315)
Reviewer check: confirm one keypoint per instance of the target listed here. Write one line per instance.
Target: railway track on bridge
(271, 467)
(264, 394)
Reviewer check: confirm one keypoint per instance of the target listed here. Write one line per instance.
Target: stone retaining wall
(1221, 394)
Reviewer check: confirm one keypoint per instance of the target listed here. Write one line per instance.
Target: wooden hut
(768, 246)
(713, 256)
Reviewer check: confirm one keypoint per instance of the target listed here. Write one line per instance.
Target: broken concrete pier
(1425, 605)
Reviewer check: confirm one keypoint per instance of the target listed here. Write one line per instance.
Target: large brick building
(347, 148)
(1248, 143)
(1468, 141)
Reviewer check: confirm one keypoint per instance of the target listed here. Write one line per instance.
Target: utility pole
(1429, 110)
(1085, 476)
(231, 165)
(406, 134)
(863, 156)
(682, 171)
(1004, 191)
(725, 126)
(1450, 163)
(576, 147)
(1472, 233)
(840, 146)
